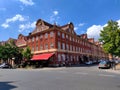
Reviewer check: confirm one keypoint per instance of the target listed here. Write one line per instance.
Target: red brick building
(21, 41)
(59, 44)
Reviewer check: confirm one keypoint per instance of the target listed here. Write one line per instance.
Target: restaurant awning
(45, 56)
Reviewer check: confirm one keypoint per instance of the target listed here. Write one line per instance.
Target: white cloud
(81, 24)
(5, 25)
(55, 13)
(17, 17)
(26, 27)
(94, 31)
(77, 26)
(118, 22)
(54, 17)
(27, 2)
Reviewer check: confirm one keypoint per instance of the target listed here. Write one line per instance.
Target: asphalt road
(71, 78)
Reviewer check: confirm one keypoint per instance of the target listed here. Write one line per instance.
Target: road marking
(63, 71)
(106, 75)
(82, 73)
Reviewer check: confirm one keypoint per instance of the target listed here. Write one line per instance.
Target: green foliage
(9, 51)
(27, 53)
(110, 37)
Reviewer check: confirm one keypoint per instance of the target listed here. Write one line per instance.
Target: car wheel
(99, 67)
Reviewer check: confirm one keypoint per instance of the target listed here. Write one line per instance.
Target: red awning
(45, 56)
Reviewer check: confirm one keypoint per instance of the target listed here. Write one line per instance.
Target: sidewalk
(117, 70)
(113, 71)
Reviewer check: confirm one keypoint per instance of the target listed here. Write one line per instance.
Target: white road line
(81, 73)
(106, 75)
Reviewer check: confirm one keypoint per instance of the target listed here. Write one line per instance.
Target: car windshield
(103, 62)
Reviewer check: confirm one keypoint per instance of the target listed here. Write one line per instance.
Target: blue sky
(88, 16)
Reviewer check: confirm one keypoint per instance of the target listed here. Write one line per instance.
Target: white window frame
(46, 35)
(46, 46)
(41, 36)
(63, 35)
(59, 45)
(58, 33)
(51, 34)
(51, 45)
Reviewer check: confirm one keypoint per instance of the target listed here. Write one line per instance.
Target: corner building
(58, 45)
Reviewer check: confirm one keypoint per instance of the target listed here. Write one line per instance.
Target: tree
(10, 51)
(110, 38)
(2, 52)
(27, 53)
(5, 52)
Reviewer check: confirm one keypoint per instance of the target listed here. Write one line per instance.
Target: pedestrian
(113, 65)
(66, 62)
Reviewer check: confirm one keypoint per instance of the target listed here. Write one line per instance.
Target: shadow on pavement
(6, 86)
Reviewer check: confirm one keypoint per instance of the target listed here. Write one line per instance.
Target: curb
(113, 71)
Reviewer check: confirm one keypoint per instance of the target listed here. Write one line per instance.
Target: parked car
(89, 63)
(104, 64)
(5, 65)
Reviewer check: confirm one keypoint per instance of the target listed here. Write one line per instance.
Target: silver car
(104, 64)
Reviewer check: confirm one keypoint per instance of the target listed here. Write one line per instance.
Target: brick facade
(66, 45)
(64, 42)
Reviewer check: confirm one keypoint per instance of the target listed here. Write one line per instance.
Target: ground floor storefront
(56, 58)
(63, 58)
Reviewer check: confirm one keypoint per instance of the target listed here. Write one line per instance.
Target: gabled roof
(45, 23)
(21, 41)
(22, 36)
(41, 25)
(69, 28)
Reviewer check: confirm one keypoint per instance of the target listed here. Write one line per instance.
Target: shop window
(59, 57)
(63, 57)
